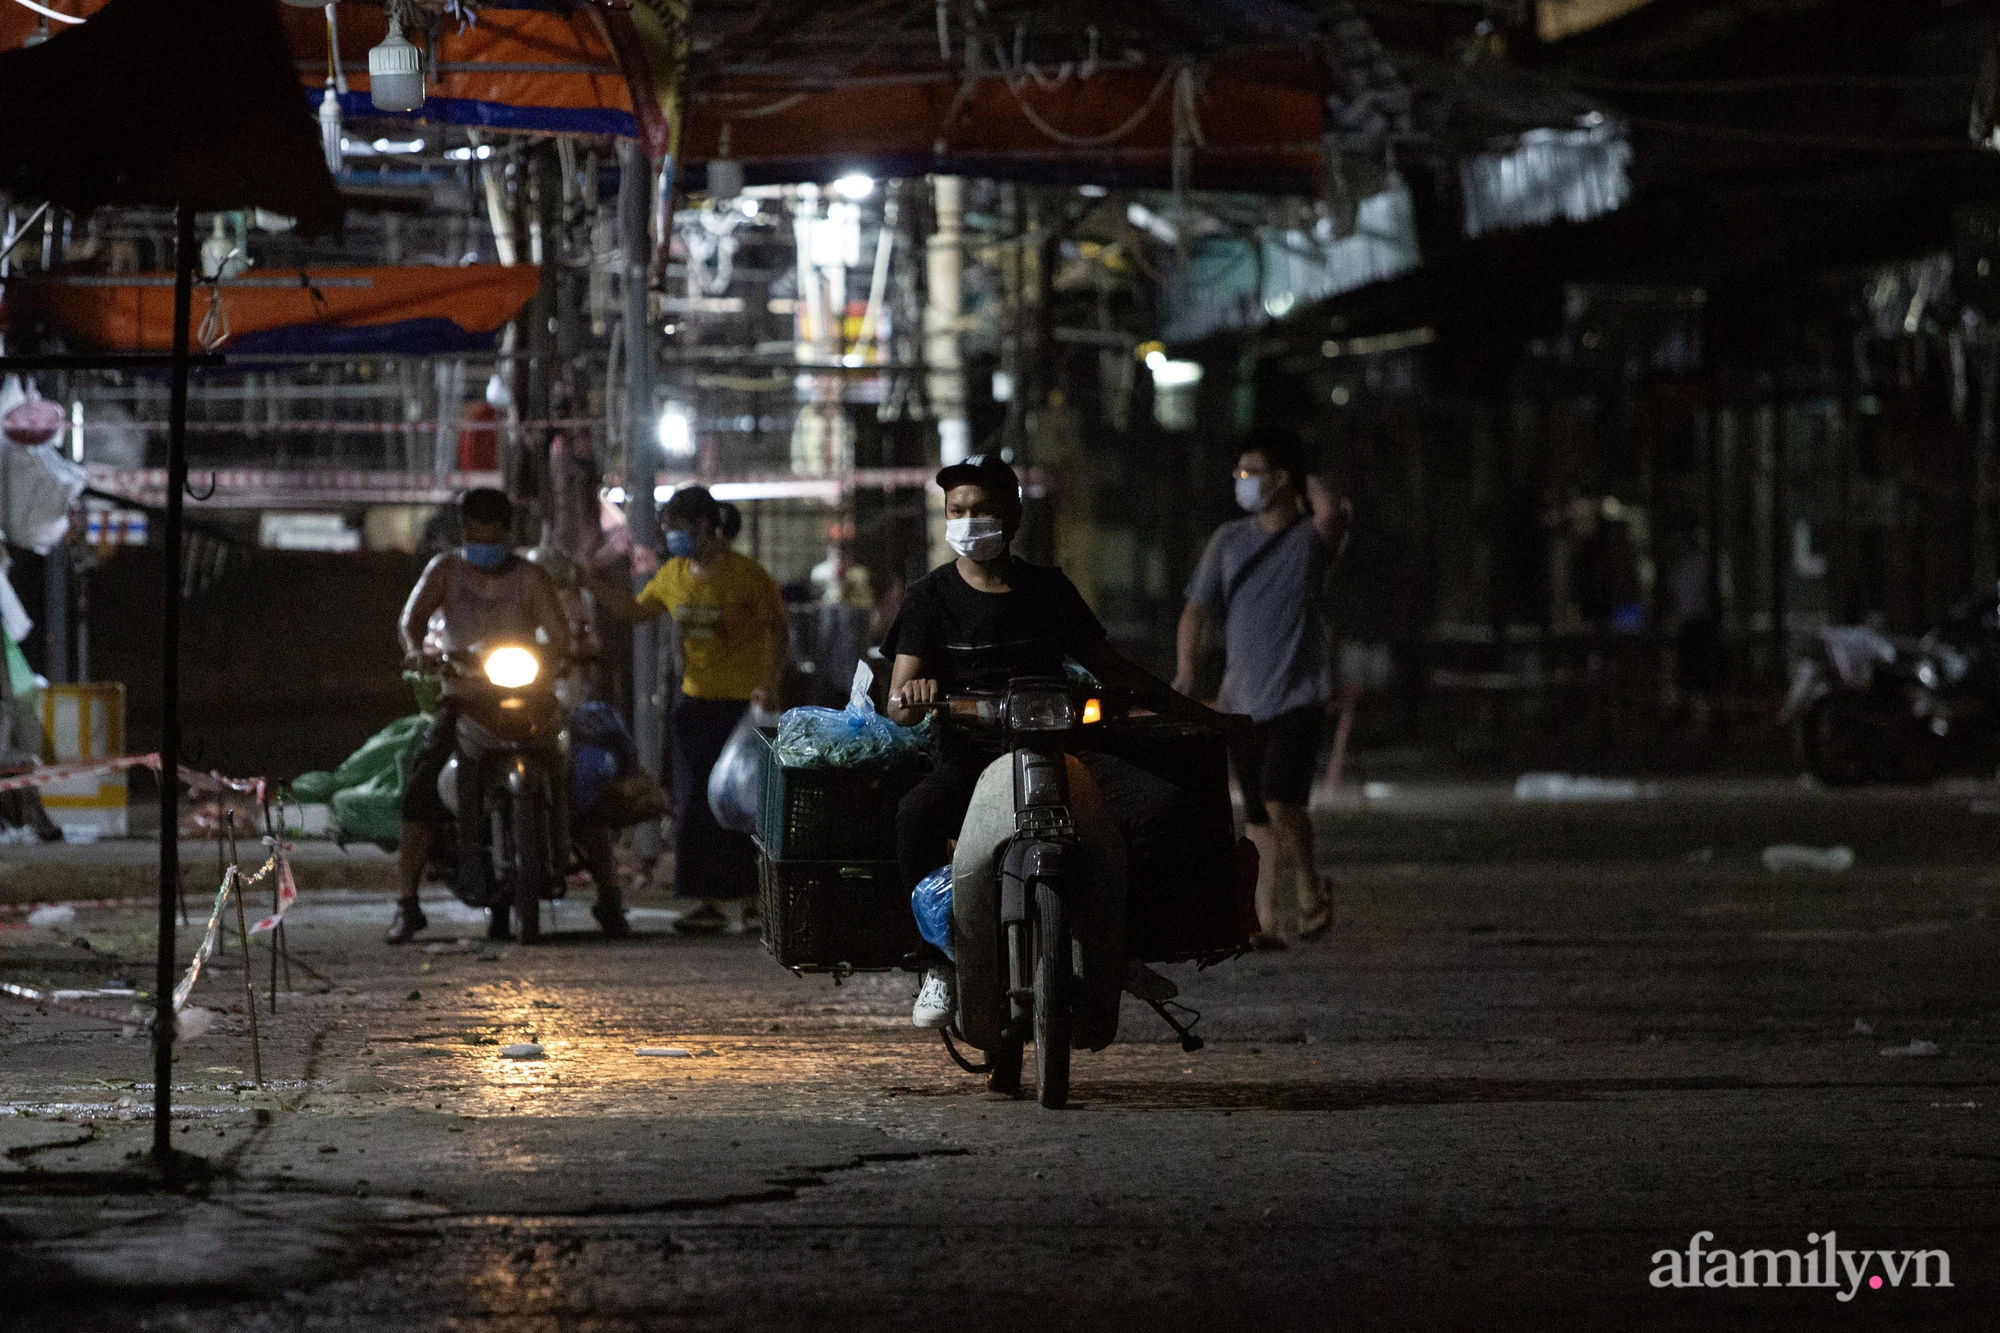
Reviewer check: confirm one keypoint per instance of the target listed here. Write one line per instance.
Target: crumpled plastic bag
(592, 770)
(930, 902)
(735, 784)
(844, 737)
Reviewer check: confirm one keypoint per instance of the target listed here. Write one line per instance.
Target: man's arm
(423, 603)
(909, 685)
(1196, 617)
(546, 608)
(1114, 668)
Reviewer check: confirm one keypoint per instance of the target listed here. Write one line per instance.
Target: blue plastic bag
(840, 737)
(931, 902)
(592, 769)
(735, 784)
(598, 724)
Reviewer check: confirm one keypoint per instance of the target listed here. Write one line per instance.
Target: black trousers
(710, 861)
(1152, 813)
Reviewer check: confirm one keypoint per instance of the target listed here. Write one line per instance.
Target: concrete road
(1546, 1043)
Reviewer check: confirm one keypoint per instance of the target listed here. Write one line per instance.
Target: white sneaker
(935, 1002)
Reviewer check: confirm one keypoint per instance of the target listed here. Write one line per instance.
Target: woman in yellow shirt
(733, 644)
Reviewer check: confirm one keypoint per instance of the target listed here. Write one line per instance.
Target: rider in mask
(485, 593)
(975, 623)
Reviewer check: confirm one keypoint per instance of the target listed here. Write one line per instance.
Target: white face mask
(976, 538)
(1250, 493)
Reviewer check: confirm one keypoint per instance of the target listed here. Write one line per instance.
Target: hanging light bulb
(329, 105)
(396, 72)
(329, 128)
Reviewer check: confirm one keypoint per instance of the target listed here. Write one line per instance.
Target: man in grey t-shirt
(1260, 575)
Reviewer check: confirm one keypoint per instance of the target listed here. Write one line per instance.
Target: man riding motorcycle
(978, 622)
(486, 593)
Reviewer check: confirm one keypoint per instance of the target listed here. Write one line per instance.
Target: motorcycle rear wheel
(1054, 990)
(1834, 741)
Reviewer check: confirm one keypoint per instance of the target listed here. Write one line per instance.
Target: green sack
(20, 677)
(372, 811)
(314, 788)
(378, 754)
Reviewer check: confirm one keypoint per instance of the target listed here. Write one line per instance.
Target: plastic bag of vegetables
(844, 737)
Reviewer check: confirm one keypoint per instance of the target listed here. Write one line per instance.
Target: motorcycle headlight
(512, 668)
(1040, 710)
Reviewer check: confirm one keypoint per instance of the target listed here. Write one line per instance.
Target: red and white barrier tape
(215, 782)
(288, 888)
(25, 909)
(210, 935)
(198, 781)
(66, 999)
(81, 769)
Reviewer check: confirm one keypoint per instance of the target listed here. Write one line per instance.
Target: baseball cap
(985, 470)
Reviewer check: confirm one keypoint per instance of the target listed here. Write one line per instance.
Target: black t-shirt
(970, 640)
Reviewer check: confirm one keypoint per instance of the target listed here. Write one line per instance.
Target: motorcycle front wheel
(1054, 988)
(529, 864)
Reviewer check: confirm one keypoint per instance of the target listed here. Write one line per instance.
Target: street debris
(1863, 1028)
(1569, 787)
(1782, 856)
(670, 1052)
(527, 1050)
(1917, 1046)
(56, 914)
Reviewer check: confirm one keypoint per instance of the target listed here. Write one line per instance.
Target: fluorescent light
(1092, 191)
(749, 207)
(399, 145)
(1173, 374)
(676, 432)
(48, 13)
(854, 186)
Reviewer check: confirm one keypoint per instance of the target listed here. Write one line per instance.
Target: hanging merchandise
(39, 486)
(26, 417)
(14, 617)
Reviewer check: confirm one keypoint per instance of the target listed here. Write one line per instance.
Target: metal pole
(170, 686)
(56, 613)
(945, 256)
(635, 174)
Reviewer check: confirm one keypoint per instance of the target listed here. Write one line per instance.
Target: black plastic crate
(830, 814)
(821, 916)
(1194, 914)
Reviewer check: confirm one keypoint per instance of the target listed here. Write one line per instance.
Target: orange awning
(476, 299)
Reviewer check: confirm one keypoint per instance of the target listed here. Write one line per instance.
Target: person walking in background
(1260, 577)
(734, 642)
